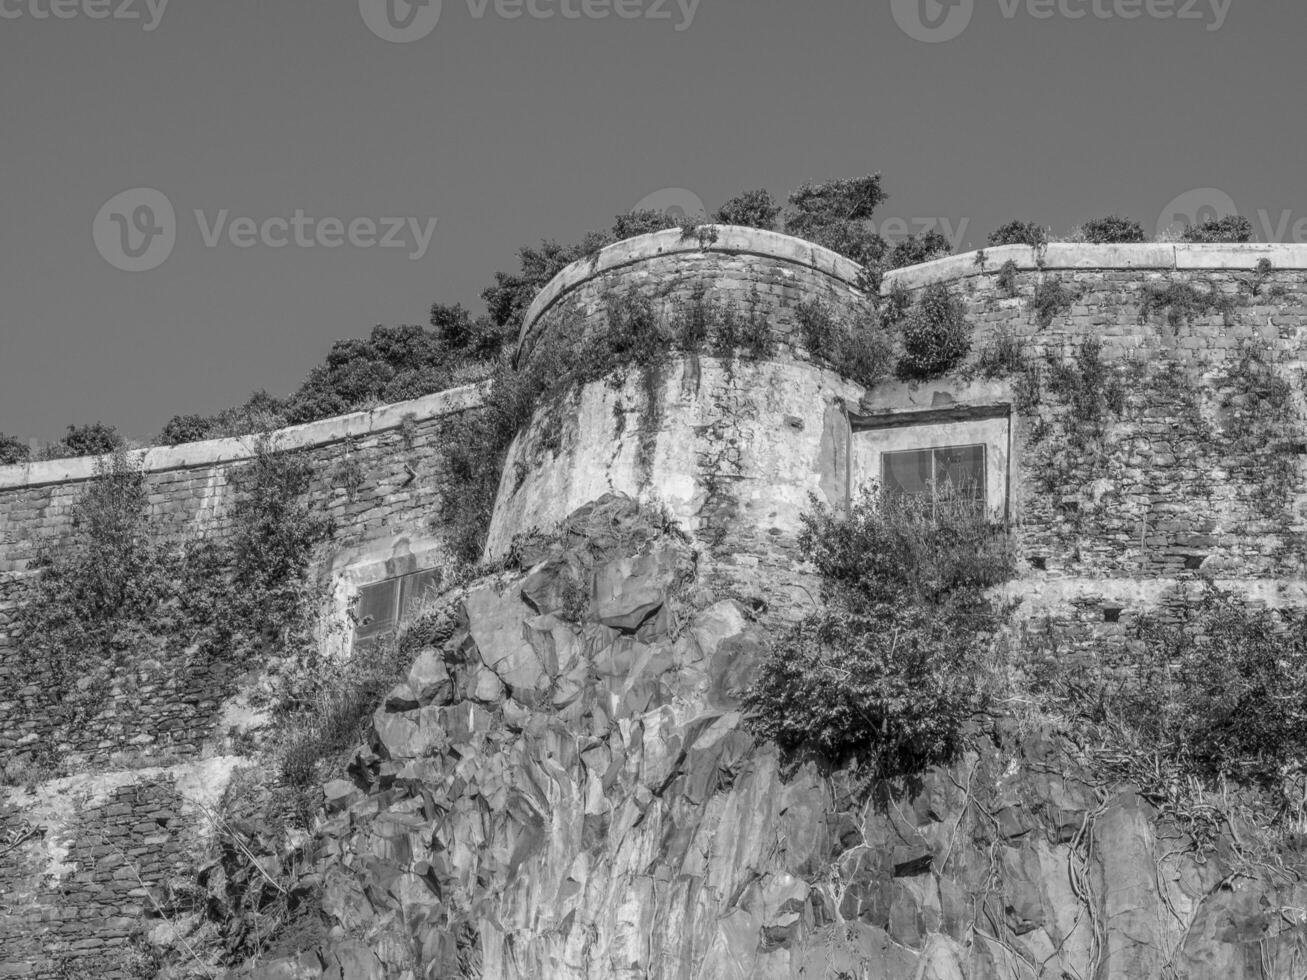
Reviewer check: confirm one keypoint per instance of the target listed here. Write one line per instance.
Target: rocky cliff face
(564, 788)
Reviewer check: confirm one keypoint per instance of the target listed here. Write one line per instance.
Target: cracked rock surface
(566, 789)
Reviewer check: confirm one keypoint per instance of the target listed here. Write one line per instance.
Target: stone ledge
(1062, 256)
(195, 455)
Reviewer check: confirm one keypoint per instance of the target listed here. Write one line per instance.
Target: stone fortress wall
(83, 858)
(378, 475)
(1183, 475)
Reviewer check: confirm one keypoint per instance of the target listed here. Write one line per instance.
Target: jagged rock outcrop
(566, 789)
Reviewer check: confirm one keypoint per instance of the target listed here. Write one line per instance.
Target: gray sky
(509, 129)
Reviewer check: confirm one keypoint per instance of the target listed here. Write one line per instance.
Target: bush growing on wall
(837, 215)
(752, 209)
(916, 249)
(91, 439)
(1112, 230)
(113, 592)
(1050, 300)
(888, 669)
(186, 428)
(1019, 233)
(860, 352)
(1233, 229)
(13, 450)
(1208, 698)
(936, 334)
(100, 597)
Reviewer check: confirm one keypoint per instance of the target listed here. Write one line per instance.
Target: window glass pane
(962, 469)
(414, 588)
(377, 608)
(906, 473)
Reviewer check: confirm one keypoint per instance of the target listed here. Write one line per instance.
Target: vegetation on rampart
(891, 666)
(114, 595)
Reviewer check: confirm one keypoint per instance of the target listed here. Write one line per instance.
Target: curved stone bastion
(1144, 430)
(731, 447)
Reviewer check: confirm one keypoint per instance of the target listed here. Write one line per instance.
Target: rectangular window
(958, 470)
(385, 606)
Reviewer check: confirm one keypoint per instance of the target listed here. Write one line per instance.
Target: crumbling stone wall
(90, 864)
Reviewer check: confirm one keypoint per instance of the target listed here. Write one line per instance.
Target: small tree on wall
(752, 209)
(936, 334)
(837, 214)
(887, 669)
(13, 450)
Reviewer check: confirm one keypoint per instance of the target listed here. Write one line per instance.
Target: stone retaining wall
(378, 474)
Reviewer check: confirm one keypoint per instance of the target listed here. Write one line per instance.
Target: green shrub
(1234, 229)
(917, 249)
(633, 224)
(1002, 357)
(113, 589)
(820, 330)
(1019, 233)
(92, 439)
(1007, 279)
(1181, 302)
(1209, 693)
(186, 428)
(13, 450)
(894, 307)
(752, 209)
(1112, 230)
(336, 711)
(1050, 300)
(102, 595)
(1225, 690)
(1087, 386)
(936, 335)
(837, 215)
(888, 670)
(860, 353)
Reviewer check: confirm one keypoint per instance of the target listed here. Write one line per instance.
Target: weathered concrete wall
(1164, 466)
(732, 450)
